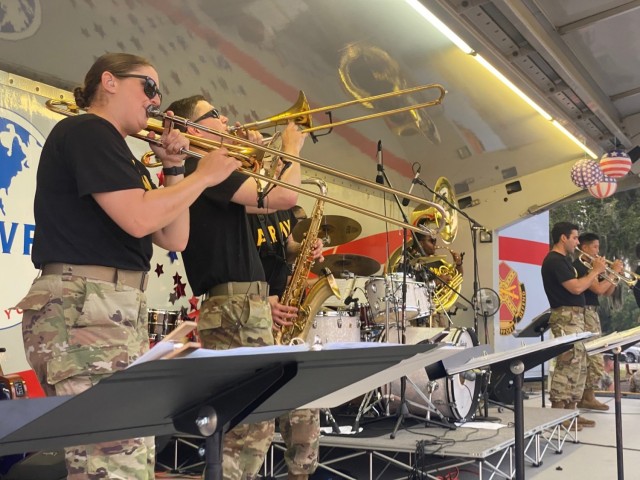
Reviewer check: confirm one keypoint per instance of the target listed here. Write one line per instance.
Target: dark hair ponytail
(116, 63)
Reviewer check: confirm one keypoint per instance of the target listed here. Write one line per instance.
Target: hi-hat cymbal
(334, 229)
(342, 263)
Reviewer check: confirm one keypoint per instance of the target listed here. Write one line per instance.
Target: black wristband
(173, 170)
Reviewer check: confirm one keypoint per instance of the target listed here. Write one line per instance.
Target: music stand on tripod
(206, 393)
(517, 361)
(537, 328)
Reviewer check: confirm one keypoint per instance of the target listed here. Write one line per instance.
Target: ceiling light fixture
(462, 45)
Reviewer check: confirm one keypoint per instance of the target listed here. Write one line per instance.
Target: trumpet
(70, 109)
(609, 274)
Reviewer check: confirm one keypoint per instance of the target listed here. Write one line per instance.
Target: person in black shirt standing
(222, 263)
(85, 316)
(300, 429)
(590, 244)
(564, 291)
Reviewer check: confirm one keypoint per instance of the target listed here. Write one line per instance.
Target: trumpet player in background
(565, 292)
(590, 244)
(222, 263)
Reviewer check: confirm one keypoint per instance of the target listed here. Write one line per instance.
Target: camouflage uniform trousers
(570, 371)
(300, 431)
(595, 363)
(77, 331)
(231, 321)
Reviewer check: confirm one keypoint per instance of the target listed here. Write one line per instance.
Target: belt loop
(67, 271)
(230, 288)
(144, 281)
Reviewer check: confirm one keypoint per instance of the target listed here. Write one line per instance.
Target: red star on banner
(193, 301)
(179, 289)
(176, 278)
(159, 269)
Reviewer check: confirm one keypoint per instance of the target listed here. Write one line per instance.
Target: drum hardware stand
(402, 411)
(331, 419)
(489, 307)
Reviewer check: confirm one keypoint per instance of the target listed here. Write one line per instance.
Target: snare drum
(418, 303)
(335, 326)
(455, 397)
(161, 323)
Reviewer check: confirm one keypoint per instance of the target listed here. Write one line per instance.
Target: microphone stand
(475, 228)
(402, 411)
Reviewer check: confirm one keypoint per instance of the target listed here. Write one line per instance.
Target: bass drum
(456, 397)
(161, 323)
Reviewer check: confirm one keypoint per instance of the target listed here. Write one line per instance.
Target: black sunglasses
(150, 86)
(213, 113)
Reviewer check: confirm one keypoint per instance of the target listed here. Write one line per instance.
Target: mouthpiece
(153, 111)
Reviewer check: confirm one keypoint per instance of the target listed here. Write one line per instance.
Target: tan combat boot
(590, 402)
(567, 423)
(582, 422)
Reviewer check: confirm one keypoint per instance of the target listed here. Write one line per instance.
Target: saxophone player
(300, 429)
(222, 264)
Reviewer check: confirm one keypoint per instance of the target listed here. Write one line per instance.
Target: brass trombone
(609, 274)
(70, 109)
(300, 112)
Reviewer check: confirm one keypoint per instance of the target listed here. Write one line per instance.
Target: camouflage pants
(77, 331)
(231, 321)
(300, 431)
(570, 371)
(595, 363)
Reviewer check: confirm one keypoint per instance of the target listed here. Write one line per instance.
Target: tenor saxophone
(294, 294)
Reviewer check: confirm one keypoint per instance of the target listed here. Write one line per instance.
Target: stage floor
(373, 454)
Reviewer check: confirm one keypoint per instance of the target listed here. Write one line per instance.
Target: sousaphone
(431, 218)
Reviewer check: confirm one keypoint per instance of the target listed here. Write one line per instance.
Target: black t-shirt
(85, 155)
(272, 246)
(556, 269)
(590, 298)
(220, 247)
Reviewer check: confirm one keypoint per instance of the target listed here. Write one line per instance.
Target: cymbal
(341, 263)
(336, 229)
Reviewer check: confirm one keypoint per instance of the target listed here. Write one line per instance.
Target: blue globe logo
(18, 146)
(19, 18)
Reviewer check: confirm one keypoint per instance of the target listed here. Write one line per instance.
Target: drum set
(371, 305)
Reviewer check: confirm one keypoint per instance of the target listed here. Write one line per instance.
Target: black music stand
(518, 361)
(537, 328)
(207, 393)
(615, 343)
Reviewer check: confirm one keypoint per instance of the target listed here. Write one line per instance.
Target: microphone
(405, 201)
(469, 375)
(379, 177)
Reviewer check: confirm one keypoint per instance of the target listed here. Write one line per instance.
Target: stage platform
(486, 452)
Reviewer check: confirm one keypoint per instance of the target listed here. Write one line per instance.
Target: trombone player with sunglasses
(85, 315)
(223, 265)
